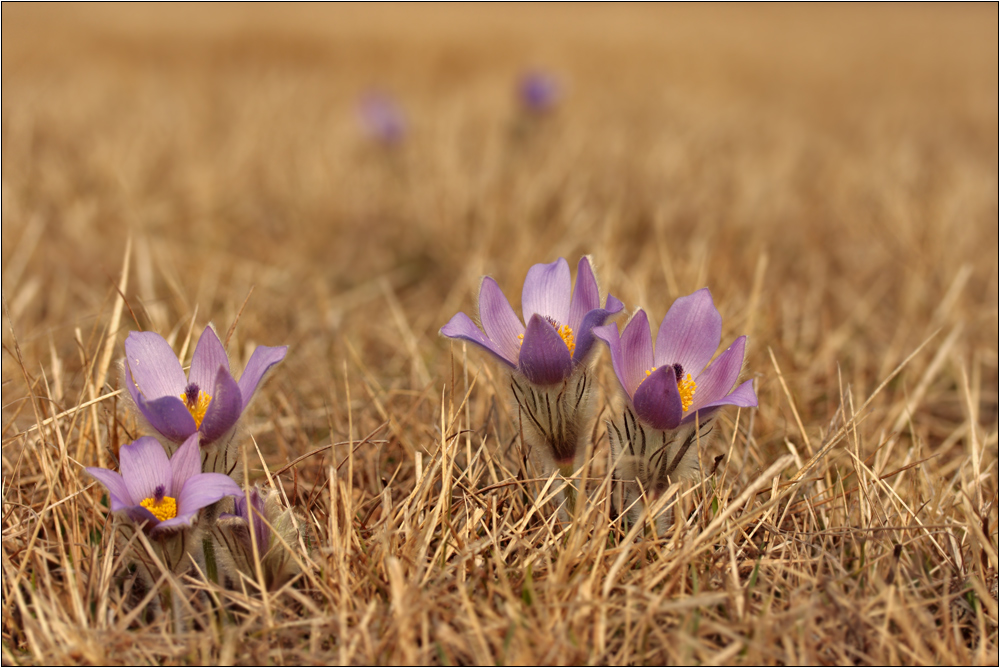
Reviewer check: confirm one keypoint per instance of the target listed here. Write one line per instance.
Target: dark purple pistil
(679, 371)
(191, 394)
(159, 493)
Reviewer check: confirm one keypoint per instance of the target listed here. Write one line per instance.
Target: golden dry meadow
(829, 172)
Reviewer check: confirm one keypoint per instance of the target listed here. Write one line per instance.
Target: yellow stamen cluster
(198, 407)
(565, 332)
(164, 509)
(685, 388)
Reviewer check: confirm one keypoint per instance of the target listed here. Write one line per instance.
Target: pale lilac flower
(549, 357)
(163, 493)
(668, 386)
(559, 335)
(382, 118)
(538, 91)
(207, 401)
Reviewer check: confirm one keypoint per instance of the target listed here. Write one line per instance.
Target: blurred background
(830, 172)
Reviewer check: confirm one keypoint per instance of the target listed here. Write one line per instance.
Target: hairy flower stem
(211, 566)
(568, 489)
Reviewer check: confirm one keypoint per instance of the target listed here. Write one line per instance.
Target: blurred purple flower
(382, 118)
(539, 92)
(669, 386)
(164, 493)
(208, 401)
(560, 321)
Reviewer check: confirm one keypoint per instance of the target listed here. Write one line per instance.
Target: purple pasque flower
(669, 386)
(382, 118)
(560, 320)
(538, 91)
(263, 521)
(164, 493)
(208, 400)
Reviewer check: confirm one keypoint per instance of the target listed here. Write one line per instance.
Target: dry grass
(830, 173)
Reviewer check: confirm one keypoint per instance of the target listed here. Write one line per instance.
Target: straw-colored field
(830, 173)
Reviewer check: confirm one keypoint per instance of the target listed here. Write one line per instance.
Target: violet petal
(703, 415)
(255, 516)
(586, 296)
(174, 524)
(208, 356)
(690, 333)
(637, 351)
(169, 416)
(499, 320)
(609, 334)
(742, 396)
(224, 409)
(154, 365)
(462, 327)
(144, 467)
(113, 482)
(185, 463)
(140, 515)
(205, 489)
(545, 359)
(613, 305)
(657, 401)
(547, 290)
(715, 382)
(260, 363)
(585, 335)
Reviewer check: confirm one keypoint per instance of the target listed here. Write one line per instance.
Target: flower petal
(613, 305)
(205, 489)
(462, 327)
(185, 463)
(690, 333)
(586, 296)
(144, 467)
(544, 357)
(657, 401)
(498, 319)
(547, 292)
(169, 416)
(584, 335)
(260, 363)
(208, 356)
(115, 484)
(174, 524)
(224, 410)
(742, 396)
(637, 351)
(140, 515)
(154, 365)
(609, 334)
(254, 514)
(716, 381)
